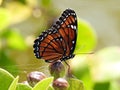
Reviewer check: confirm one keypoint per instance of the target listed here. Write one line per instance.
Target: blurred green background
(21, 21)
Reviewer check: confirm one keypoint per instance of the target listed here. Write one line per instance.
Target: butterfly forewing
(68, 29)
(58, 42)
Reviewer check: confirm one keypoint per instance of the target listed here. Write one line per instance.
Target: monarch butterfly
(58, 42)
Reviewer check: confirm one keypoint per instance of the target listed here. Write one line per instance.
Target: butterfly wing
(69, 32)
(48, 46)
(58, 41)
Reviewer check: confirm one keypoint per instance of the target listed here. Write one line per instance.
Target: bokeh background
(21, 21)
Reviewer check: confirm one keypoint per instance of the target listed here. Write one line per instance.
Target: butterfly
(58, 42)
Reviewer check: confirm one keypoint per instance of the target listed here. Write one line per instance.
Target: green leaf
(4, 18)
(5, 79)
(101, 86)
(43, 84)
(75, 84)
(80, 69)
(50, 88)
(86, 37)
(114, 85)
(105, 66)
(15, 40)
(21, 86)
(14, 84)
(7, 63)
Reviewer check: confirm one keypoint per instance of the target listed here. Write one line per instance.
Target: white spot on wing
(64, 19)
(68, 25)
(75, 18)
(73, 42)
(72, 26)
(62, 22)
(45, 34)
(37, 48)
(37, 43)
(58, 26)
(41, 38)
(49, 32)
(71, 48)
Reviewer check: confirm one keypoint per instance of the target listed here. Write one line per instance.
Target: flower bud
(60, 84)
(57, 69)
(35, 77)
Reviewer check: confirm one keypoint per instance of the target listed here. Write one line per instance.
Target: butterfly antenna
(86, 53)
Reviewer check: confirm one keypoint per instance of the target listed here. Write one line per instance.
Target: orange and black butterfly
(58, 42)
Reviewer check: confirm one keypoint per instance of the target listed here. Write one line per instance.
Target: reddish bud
(57, 69)
(35, 77)
(60, 84)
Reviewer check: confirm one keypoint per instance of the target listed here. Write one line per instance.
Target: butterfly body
(58, 42)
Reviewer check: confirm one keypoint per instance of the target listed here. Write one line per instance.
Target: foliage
(100, 70)
(86, 37)
(45, 84)
(5, 79)
(12, 83)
